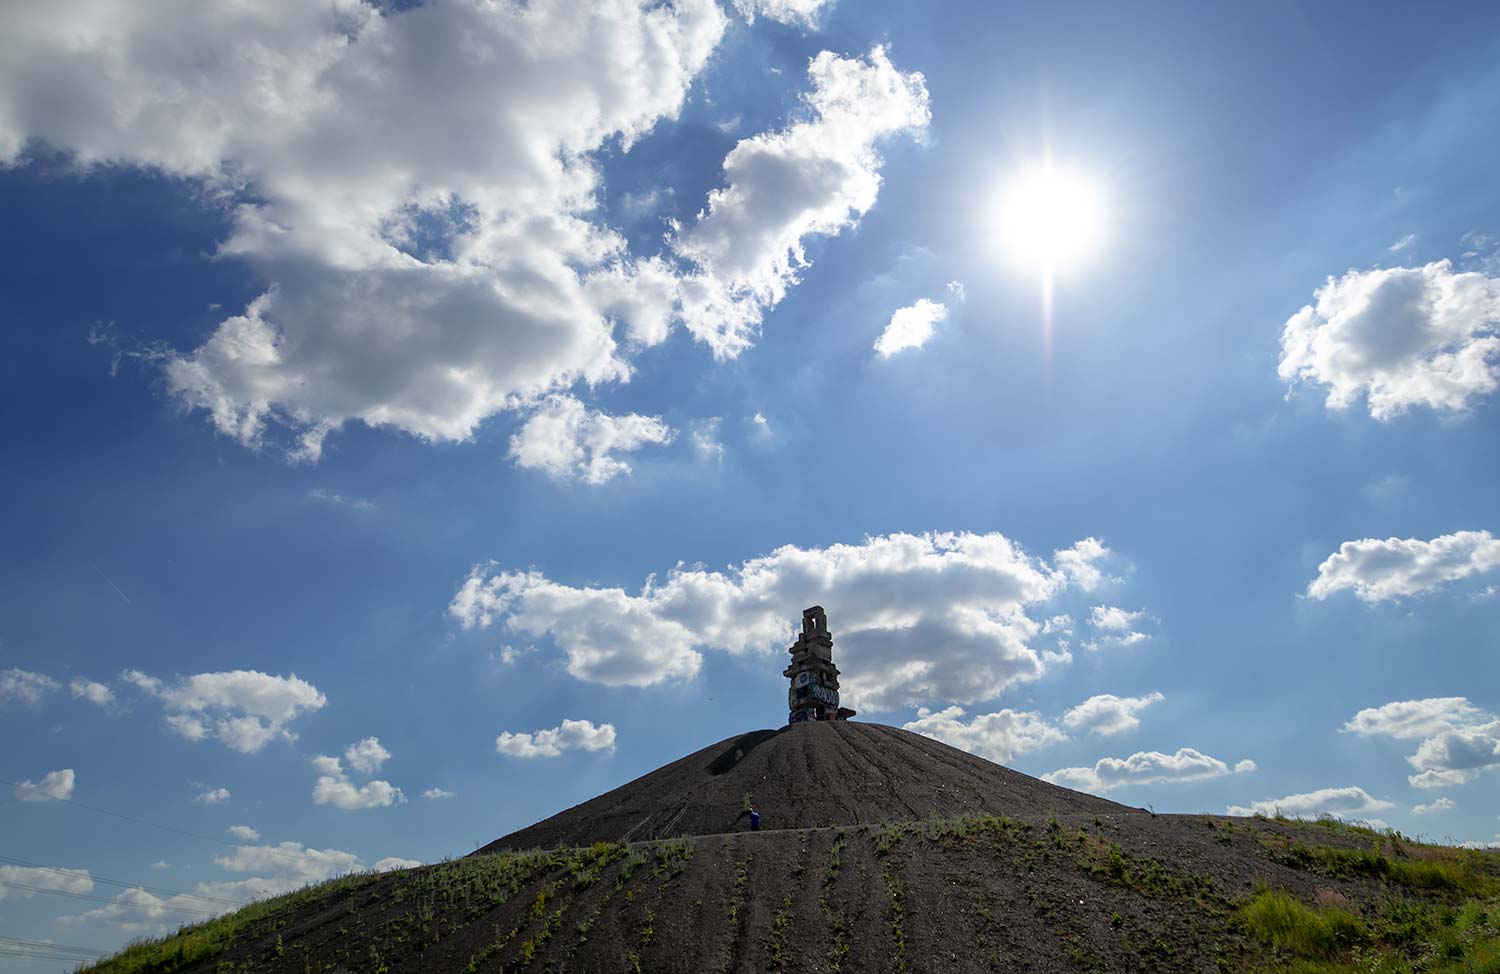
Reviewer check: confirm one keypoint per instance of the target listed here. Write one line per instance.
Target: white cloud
(1436, 805)
(918, 618)
(568, 441)
(998, 736)
(61, 880)
(418, 186)
(136, 911)
(816, 177)
(1113, 619)
(705, 437)
(1144, 768)
(1118, 626)
(395, 862)
(213, 796)
(95, 693)
(1438, 779)
(956, 288)
(1457, 756)
(1403, 243)
(290, 862)
(160, 864)
(27, 687)
(570, 735)
(333, 786)
(910, 327)
(1058, 623)
(1106, 714)
(436, 794)
(1399, 567)
(1412, 719)
(54, 786)
(243, 709)
(1398, 337)
(1348, 802)
(798, 13)
(341, 500)
(431, 239)
(1458, 739)
(1080, 562)
(367, 755)
(244, 833)
(342, 793)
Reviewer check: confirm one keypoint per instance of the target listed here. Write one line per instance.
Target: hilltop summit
(813, 774)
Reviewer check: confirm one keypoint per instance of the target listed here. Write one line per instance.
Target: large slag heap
(814, 693)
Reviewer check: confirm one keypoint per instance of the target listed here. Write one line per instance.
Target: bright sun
(1051, 218)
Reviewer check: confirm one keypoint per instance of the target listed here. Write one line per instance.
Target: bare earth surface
(881, 851)
(806, 776)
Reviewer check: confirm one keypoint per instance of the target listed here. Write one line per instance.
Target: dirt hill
(806, 776)
(881, 852)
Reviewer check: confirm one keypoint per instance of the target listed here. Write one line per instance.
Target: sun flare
(1051, 217)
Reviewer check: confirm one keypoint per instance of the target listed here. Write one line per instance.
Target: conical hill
(810, 775)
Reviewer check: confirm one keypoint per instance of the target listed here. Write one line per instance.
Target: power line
(107, 899)
(122, 883)
(17, 942)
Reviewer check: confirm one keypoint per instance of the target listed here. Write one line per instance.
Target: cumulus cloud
(1106, 714)
(570, 735)
(1436, 805)
(1116, 626)
(815, 177)
(998, 736)
(798, 13)
(1458, 741)
(1347, 802)
(1456, 756)
(333, 786)
(289, 862)
(1144, 768)
(54, 786)
(919, 618)
(567, 441)
(59, 880)
(910, 327)
(95, 693)
(1398, 338)
(243, 832)
(286, 867)
(1399, 567)
(367, 755)
(435, 794)
(418, 186)
(394, 862)
(428, 232)
(1411, 719)
(1081, 563)
(213, 796)
(243, 709)
(24, 686)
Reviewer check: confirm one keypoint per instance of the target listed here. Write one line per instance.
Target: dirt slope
(882, 852)
(806, 776)
(1125, 893)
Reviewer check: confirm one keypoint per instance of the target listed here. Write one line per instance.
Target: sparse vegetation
(1093, 893)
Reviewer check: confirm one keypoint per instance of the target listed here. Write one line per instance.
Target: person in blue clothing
(754, 820)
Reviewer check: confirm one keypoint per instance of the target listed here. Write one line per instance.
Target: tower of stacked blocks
(814, 693)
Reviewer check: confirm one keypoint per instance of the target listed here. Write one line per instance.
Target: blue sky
(442, 399)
